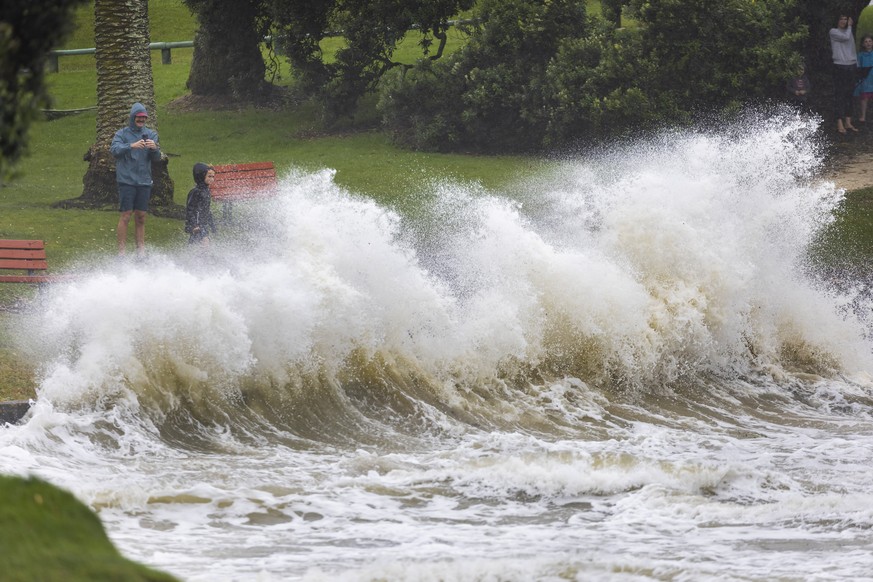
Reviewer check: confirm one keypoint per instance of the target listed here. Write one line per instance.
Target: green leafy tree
(685, 59)
(492, 93)
(422, 109)
(301, 25)
(29, 30)
(371, 29)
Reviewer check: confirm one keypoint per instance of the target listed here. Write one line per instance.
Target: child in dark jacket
(798, 88)
(198, 215)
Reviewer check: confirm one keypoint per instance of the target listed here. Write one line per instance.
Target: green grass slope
(47, 535)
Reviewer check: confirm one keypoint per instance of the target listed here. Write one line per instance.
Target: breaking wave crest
(322, 314)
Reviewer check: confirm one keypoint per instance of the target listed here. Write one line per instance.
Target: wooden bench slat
(259, 175)
(35, 278)
(23, 264)
(242, 167)
(22, 253)
(219, 192)
(243, 195)
(244, 188)
(241, 186)
(241, 182)
(245, 191)
(235, 177)
(21, 244)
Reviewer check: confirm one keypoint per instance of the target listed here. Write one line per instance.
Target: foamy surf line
(678, 257)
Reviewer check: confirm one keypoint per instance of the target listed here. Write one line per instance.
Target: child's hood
(200, 170)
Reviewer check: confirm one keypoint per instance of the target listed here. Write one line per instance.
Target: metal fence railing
(167, 47)
(164, 47)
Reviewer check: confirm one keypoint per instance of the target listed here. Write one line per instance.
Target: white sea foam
(619, 369)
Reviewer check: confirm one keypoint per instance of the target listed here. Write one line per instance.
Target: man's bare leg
(139, 229)
(121, 231)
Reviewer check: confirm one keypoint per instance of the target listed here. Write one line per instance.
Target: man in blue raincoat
(134, 147)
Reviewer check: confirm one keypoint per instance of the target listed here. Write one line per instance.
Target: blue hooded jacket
(134, 166)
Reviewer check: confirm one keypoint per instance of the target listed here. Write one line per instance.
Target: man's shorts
(133, 197)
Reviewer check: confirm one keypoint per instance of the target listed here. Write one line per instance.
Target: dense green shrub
(716, 54)
(490, 96)
(540, 73)
(420, 107)
(600, 86)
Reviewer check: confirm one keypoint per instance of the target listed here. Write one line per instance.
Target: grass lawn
(848, 242)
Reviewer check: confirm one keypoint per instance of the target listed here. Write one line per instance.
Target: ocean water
(618, 368)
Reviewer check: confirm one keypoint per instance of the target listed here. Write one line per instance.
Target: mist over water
(620, 368)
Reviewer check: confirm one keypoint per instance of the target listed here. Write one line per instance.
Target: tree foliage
(601, 84)
(228, 61)
(29, 30)
(715, 54)
(301, 25)
(539, 73)
(371, 29)
(490, 95)
(611, 10)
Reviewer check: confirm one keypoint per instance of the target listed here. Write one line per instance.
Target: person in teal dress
(864, 90)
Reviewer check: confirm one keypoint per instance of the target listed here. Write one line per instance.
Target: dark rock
(13, 411)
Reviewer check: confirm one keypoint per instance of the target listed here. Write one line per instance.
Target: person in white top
(845, 63)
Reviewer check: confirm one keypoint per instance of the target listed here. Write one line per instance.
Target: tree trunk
(227, 57)
(611, 11)
(124, 76)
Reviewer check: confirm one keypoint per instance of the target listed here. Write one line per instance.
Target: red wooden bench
(239, 182)
(27, 256)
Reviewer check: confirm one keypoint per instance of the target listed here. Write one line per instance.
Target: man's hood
(136, 109)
